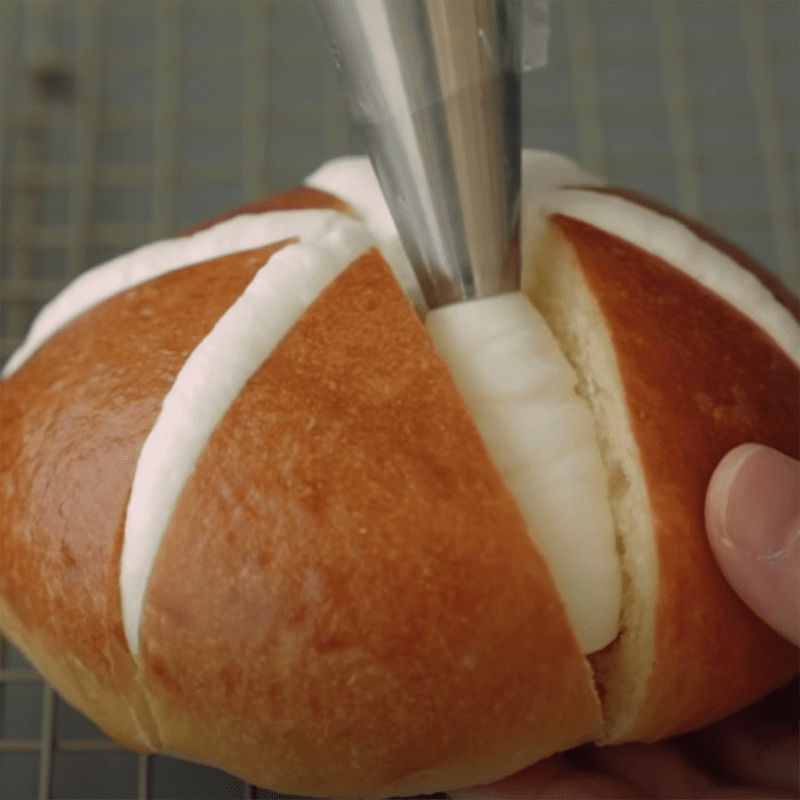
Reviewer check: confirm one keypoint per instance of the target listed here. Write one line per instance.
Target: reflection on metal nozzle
(436, 85)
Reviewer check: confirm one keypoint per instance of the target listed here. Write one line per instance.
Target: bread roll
(248, 516)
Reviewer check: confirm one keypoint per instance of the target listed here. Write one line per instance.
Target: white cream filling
(151, 260)
(675, 243)
(353, 179)
(210, 381)
(520, 388)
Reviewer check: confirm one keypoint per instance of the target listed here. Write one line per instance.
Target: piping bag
(436, 87)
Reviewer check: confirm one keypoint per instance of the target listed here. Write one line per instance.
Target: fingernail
(753, 502)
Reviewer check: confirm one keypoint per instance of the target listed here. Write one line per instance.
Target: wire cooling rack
(123, 121)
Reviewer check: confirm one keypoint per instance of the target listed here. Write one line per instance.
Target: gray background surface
(122, 121)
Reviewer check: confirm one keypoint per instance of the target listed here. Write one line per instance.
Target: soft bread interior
(554, 284)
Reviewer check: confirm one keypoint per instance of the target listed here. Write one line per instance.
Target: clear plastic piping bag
(436, 86)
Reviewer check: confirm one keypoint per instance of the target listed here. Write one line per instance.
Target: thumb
(753, 522)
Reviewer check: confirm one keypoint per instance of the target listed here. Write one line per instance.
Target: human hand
(753, 522)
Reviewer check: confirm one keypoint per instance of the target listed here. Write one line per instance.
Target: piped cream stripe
(209, 382)
(520, 388)
(675, 243)
(353, 180)
(151, 260)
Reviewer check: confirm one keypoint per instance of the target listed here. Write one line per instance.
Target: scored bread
(705, 382)
(342, 597)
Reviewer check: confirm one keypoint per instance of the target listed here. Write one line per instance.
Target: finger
(552, 778)
(746, 793)
(781, 705)
(663, 770)
(753, 520)
(750, 751)
(660, 770)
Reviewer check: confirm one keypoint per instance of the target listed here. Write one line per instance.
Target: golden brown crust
(347, 597)
(777, 289)
(72, 421)
(347, 588)
(297, 197)
(699, 378)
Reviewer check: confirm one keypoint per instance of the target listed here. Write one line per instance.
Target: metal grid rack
(122, 121)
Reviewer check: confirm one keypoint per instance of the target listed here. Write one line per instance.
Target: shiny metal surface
(436, 86)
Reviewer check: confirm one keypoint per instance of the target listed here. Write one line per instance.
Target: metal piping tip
(436, 85)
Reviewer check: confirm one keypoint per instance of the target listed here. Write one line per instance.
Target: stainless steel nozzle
(436, 85)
